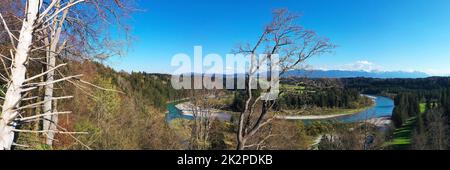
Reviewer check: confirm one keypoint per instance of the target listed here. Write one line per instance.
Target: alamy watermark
(209, 71)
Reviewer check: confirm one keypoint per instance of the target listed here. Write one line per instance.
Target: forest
(321, 93)
(59, 90)
(424, 87)
(426, 117)
(421, 113)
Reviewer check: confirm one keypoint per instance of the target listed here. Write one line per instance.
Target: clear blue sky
(371, 34)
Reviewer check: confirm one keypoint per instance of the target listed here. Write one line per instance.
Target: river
(176, 113)
(383, 109)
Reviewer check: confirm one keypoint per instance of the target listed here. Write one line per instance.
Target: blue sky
(408, 35)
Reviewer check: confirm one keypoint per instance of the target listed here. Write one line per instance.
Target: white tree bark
(47, 106)
(14, 92)
(50, 121)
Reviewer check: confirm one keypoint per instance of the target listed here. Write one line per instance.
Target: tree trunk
(240, 143)
(51, 121)
(14, 91)
(240, 134)
(52, 126)
(47, 106)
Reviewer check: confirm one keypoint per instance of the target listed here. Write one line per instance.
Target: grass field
(422, 107)
(402, 136)
(326, 111)
(292, 87)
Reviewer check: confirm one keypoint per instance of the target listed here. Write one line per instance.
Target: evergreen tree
(420, 123)
(446, 103)
(428, 104)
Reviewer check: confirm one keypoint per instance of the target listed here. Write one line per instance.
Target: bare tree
(70, 27)
(437, 130)
(203, 113)
(54, 48)
(50, 27)
(13, 95)
(294, 45)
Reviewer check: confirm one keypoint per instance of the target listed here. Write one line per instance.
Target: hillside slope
(119, 110)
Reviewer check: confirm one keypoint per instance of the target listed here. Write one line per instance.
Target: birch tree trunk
(50, 121)
(18, 70)
(47, 106)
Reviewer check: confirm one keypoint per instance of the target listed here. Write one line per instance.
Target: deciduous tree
(294, 45)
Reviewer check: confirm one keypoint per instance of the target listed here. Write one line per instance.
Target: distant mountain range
(342, 74)
(349, 74)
